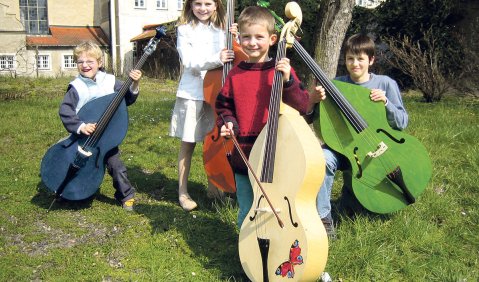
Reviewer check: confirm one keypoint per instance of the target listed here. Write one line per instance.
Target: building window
(68, 62)
(43, 62)
(34, 16)
(140, 3)
(161, 4)
(180, 5)
(6, 62)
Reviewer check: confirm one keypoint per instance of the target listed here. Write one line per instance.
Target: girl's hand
(234, 30)
(378, 95)
(227, 55)
(284, 67)
(227, 130)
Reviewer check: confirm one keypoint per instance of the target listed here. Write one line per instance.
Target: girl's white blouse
(199, 48)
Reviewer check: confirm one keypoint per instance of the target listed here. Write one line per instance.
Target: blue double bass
(74, 167)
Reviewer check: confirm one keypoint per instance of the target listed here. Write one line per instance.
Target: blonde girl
(201, 47)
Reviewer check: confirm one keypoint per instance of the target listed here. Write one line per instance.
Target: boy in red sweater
(244, 99)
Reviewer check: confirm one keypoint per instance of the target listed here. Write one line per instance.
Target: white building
(131, 17)
(37, 37)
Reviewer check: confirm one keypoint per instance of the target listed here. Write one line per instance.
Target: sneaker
(325, 277)
(128, 204)
(329, 226)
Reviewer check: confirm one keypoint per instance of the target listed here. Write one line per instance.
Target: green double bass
(389, 169)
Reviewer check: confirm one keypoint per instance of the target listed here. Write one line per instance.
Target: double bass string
(245, 160)
(110, 111)
(357, 122)
(272, 130)
(229, 38)
(271, 136)
(351, 114)
(229, 46)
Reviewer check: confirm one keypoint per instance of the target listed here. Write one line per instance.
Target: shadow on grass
(347, 206)
(207, 235)
(44, 198)
(205, 232)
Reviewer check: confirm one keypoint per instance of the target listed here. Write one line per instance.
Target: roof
(69, 36)
(149, 31)
(147, 34)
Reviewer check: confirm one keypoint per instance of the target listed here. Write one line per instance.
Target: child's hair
(90, 48)
(360, 43)
(256, 15)
(217, 18)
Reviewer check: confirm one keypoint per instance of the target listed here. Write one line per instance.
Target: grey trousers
(117, 170)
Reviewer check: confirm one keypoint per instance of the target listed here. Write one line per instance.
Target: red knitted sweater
(244, 101)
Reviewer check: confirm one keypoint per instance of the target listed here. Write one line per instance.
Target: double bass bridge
(380, 149)
(262, 209)
(267, 210)
(83, 152)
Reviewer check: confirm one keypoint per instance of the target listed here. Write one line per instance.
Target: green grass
(436, 239)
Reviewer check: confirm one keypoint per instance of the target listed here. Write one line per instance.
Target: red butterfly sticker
(295, 258)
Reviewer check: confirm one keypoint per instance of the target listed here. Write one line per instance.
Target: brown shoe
(186, 202)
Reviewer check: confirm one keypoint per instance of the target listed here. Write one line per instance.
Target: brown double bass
(289, 160)
(215, 147)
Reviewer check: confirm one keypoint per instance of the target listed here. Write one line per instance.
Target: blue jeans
(244, 196)
(323, 200)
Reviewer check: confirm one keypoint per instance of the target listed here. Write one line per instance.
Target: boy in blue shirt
(359, 56)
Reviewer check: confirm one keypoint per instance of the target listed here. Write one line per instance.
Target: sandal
(186, 202)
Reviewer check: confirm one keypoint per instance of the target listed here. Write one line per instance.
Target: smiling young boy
(360, 55)
(92, 83)
(244, 99)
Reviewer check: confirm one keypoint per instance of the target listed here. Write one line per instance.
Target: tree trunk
(334, 17)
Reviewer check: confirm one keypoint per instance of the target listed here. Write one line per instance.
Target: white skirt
(191, 120)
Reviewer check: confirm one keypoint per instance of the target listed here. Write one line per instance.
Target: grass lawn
(435, 239)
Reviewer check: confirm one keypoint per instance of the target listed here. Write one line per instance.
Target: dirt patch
(53, 238)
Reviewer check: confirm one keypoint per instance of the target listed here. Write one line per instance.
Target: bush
(421, 61)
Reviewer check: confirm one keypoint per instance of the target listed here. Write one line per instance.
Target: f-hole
(251, 218)
(294, 223)
(400, 141)
(358, 163)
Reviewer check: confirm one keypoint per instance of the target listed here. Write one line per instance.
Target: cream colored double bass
(289, 160)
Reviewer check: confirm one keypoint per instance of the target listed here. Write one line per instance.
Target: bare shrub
(467, 80)
(419, 60)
